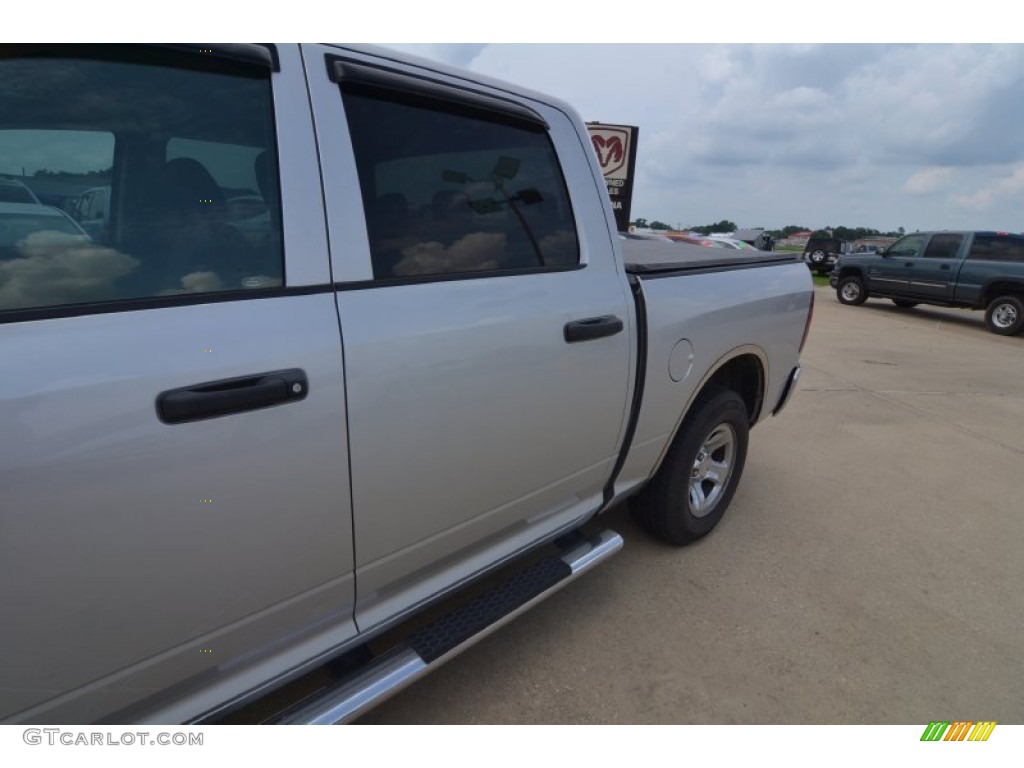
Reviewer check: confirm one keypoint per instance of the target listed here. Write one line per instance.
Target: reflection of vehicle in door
(24, 225)
(14, 191)
(972, 270)
(91, 211)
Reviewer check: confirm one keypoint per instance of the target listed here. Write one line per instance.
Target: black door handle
(943, 266)
(592, 328)
(908, 264)
(227, 396)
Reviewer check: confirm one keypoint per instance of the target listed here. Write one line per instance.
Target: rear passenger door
(934, 275)
(175, 521)
(481, 420)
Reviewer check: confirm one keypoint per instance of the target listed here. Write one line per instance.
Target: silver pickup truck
(354, 357)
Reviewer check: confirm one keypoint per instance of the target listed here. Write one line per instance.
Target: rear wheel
(1005, 315)
(904, 303)
(696, 483)
(850, 290)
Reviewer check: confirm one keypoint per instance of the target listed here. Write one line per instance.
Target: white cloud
(928, 180)
(1007, 190)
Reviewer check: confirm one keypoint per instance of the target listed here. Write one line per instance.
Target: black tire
(904, 303)
(670, 506)
(1005, 315)
(817, 257)
(850, 290)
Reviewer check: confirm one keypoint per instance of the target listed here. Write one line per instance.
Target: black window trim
(227, 57)
(345, 71)
(86, 309)
(29, 314)
(447, 277)
(263, 54)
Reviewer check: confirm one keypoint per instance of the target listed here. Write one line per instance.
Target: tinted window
(908, 247)
(133, 167)
(998, 248)
(450, 192)
(944, 246)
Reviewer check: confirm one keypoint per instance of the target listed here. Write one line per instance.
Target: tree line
(840, 232)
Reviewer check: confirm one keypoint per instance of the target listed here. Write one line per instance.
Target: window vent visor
(348, 73)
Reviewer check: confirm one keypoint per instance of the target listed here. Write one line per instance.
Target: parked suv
(971, 270)
(821, 253)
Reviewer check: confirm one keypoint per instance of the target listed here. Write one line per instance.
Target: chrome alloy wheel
(851, 291)
(1004, 316)
(712, 468)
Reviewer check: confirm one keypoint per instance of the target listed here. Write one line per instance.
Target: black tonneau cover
(659, 257)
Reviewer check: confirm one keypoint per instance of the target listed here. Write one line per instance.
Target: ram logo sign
(959, 730)
(611, 145)
(615, 146)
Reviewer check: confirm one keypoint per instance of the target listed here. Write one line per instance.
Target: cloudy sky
(767, 114)
(923, 136)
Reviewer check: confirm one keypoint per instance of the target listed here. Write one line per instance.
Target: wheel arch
(743, 370)
(1001, 287)
(851, 272)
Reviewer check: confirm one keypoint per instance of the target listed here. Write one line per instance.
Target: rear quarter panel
(977, 275)
(759, 311)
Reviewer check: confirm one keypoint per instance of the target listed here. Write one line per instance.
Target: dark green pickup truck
(971, 270)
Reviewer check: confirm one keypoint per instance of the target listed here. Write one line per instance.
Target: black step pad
(436, 639)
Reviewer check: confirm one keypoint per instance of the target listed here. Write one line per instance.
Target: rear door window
(450, 192)
(944, 246)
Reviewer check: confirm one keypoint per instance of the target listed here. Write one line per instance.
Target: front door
(892, 272)
(174, 507)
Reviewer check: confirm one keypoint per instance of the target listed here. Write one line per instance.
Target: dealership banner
(616, 151)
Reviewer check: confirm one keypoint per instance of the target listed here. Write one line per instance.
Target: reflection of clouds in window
(196, 282)
(57, 268)
(560, 248)
(474, 252)
(206, 281)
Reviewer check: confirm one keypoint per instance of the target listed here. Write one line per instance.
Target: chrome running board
(430, 647)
